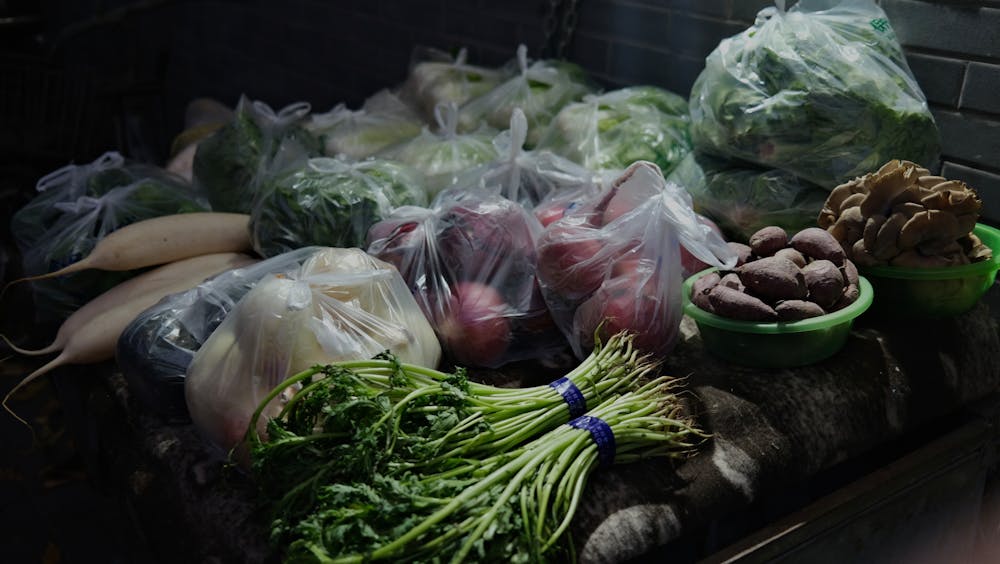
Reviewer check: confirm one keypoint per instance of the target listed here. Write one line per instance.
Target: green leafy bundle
(377, 459)
(824, 93)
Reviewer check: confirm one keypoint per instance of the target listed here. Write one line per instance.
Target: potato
(768, 240)
(794, 310)
(737, 305)
(817, 243)
(773, 279)
(824, 281)
(791, 254)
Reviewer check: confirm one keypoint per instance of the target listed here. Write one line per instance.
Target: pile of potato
(781, 279)
(901, 215)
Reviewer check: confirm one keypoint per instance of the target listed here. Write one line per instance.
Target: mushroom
(930, 225)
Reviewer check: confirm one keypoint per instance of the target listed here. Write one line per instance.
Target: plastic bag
(341, 305)
(743, 199)
(76, 207)
(383, 120)
(614, 263)
(441, 157)
(156, 348)
(329, 202)
(540, 89)
(437, 78)
(613, 130)
(470, 262)
(822, 90)
(227, 163)
(527, 177)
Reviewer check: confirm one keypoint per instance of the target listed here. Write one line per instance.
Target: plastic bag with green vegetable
(340, 305)
(821, 90)
(540, 89)
(444, 155)
(76, 207)
(227, 163)
(437, 78)
(613, 130)
(384, 120)
(743, 199)
(526, 177)
(329, 201)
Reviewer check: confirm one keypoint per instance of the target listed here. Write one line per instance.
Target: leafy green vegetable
(329, 202)
(227, 163)
(76, 207)
(379, 460)
(824, 93)
(440, 79)
(613, 130)
(742, 199)
(383, 121)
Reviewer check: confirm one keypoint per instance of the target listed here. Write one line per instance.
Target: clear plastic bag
(540, 89)
(613, 130)
(155, 350)
(437, 78)
(76, 207)
(470, 262)
(614, 263)
(821, 90)
(341, 305)
(329, 202)
(527, 177)
(383, 120)
(743, 199)
(227, 164)
(445, 155)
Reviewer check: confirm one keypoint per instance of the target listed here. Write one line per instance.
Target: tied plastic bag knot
(69, 173)
(82, 205)
(446, 117)
(289, 114)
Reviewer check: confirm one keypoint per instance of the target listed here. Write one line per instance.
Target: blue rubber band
(602, 434)
(572, 395)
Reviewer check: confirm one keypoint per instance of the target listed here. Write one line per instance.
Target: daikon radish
(162, 240)
(92, 337)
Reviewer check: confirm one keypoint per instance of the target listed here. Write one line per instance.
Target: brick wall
(327, 52)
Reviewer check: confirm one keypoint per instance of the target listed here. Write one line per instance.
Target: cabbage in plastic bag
(384, 120)
(227, 164)
(822, 91)
(613, 130)
(614, 264)
(155, 350)
(470, 262)
(743, 199)
(341, 305)
(76, 207)
(443, 156)
(540, 89)
(329, 202)
(526, 177)
(437, 78)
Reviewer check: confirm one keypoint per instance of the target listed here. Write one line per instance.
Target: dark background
(81, 77)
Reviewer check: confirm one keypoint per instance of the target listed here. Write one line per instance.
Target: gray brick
(589, 52)
(718, 8)
(698, 36)
(946, 27)
(967, 138)
(986, 184)
(517, 10)
(633, 23)
(631, 64)
(982, 89)
(940, 78)
(463, 23)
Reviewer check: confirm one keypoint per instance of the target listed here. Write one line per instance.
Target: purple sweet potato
(768, 240)
(824, 281)
(794, 310)
(737, 305)
(773, 279)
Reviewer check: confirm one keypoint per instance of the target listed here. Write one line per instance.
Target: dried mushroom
(901, 215)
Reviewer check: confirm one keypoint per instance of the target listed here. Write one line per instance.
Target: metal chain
(570, 16)
(551, 27)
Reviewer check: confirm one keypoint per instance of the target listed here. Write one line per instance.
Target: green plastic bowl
(776, 345)
(934, 293)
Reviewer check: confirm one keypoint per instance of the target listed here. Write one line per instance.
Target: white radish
(92, 337)
(162, 240)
